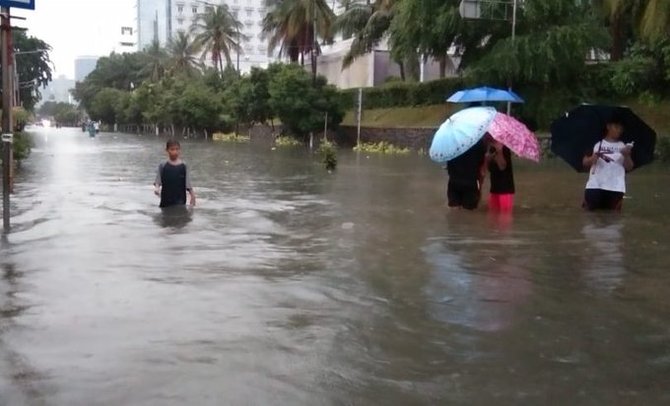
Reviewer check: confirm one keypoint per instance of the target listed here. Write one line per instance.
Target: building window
(180, 9)
(180, 21)
(126, 30)
(250, 12)
(249, 23)
(195, 10)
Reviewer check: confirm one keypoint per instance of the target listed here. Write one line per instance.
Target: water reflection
(604, 252)
(176, 217)
(479, 285)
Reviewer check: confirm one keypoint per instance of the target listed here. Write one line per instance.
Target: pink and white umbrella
(516, 136)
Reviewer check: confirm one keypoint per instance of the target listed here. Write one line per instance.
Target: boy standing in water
(608, 164)
(173, 180)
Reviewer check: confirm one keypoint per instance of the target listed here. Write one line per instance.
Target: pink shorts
(503, 203)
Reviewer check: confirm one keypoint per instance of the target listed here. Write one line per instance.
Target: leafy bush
(230, 137)
(22, 146)
(381, 147)
(328, 155)
(285, 141)
(401, 94)
(663, 148)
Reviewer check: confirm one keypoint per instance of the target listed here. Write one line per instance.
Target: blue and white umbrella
(484, 94)
(461, 132)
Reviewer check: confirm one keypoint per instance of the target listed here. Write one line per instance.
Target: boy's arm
(158, 182)
(189, 187)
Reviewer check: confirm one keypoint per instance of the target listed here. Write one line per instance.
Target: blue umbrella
(484, 94)
(460, 133)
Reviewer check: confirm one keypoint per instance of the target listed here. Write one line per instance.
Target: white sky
(77, 27)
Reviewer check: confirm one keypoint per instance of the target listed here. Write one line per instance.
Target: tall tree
(219, 32)
(156, 58)
(429, 26)
(182, 54)
(368, 22)
(290, 26)
(33, 67)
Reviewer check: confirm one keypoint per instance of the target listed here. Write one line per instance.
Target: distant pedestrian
(173, 180)
(608, 163)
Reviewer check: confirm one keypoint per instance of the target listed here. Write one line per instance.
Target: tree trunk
(443, 66)
(618, 39)
(402, 70)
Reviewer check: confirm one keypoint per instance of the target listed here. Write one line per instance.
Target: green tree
(248, 98)
(430, 27)
(105, 105)
(182, 55)
(33, 67)
(368, 22)
(290, 26)
(218, 31)
(301, 105)
(650, 18)
(155, 61)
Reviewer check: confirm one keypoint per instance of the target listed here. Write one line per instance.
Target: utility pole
(7, 99)
(514, 9)
(315, 43)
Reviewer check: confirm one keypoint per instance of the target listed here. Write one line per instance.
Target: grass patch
(287, 142)
(399, 117)
(230, 137)
(657, 115)
(382, 147)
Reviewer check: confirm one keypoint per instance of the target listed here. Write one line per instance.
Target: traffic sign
(27, 4)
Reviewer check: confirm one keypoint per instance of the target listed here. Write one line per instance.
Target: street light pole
(514, 9)
(7, 98)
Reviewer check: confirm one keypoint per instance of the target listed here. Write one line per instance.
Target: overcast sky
(77, 27)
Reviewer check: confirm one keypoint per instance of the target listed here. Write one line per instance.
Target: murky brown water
(290, 286)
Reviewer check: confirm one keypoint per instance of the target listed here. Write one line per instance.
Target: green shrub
(663, 148)
(328, 155)
(21, 146)
(381, 147)
(230, 137)
(285, 141)
(403, 94)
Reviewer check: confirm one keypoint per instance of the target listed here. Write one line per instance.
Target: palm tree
(290, 26)
(217, 30)
(649, 18)
(182, 51)
(155, 65)
(368, 22)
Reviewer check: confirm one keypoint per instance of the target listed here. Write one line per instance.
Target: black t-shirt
(464, 169)
(502, 181)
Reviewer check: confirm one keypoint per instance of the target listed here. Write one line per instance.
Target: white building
(83, 66)
(152, 22)
(161, 19)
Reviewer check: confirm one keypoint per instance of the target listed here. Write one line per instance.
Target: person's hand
(192, 202)
(627, 150)
(157, 191)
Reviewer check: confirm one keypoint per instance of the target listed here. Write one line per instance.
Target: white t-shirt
(608, 175)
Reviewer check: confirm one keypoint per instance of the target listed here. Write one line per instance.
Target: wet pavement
(291, 286)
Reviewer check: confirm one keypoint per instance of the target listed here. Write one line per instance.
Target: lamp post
(472, 9)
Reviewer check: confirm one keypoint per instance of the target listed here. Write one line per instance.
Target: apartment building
(161, 19)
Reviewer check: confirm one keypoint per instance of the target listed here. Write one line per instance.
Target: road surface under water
(291, 286)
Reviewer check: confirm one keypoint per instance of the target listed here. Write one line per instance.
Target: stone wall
(414, 138)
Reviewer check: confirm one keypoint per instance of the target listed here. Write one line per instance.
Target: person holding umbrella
(499, 164)
(608, 163)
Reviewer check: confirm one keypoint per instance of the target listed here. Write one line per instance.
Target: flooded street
(291, 286)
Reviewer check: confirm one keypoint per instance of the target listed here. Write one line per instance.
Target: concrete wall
(415, 138)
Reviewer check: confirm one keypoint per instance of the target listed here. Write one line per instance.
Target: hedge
(401, 94)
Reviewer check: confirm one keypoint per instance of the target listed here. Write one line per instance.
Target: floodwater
(287, 285)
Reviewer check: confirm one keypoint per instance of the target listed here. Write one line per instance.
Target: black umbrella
(575, 134)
